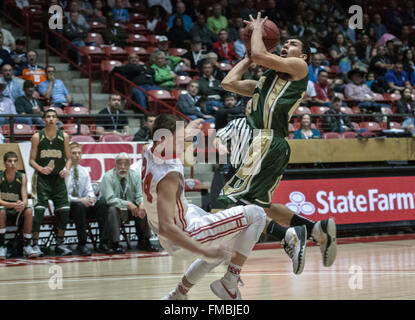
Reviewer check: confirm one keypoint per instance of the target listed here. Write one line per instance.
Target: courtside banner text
(99, 157)
(351, 200)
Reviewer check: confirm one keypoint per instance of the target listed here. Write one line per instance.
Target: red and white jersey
(152, 173)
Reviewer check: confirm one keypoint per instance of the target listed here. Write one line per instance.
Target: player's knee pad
(198, 269)
(63, 218)
(255, 215)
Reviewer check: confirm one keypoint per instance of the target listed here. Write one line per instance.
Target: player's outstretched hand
(219, 252)
(193, 128)
(256, 23)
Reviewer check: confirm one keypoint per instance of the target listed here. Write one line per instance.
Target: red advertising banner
(98, 158)
(351, 200)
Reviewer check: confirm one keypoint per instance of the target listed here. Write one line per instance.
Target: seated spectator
(338, 50)
(225, 49)
(28, 104)
(201, 30)
(22, 3)
(212, 57)
(334, 120)
(406, 105)
(7, 107)
(145, 132)
(85, 8)
(210, 87)
(217, 22)
(84, 204)
(233, 29)
(18, 55)
(14, 204)
(97, 13)
(120, 13)
(156, 21)
(173, 61)
(14, 85)
(109, 120)
(229, 111)
(381, 62)
(376, 85)
(75, 32)
(351, 61)
(239, 44)
(55, 90)
(81, 20)
(305, 131)
(188, 103)
(323, 89)
(397, 78)
(8, 39)
(180, 37)
(377, 27)
(187, 22)
(31, 70)
(195, 9)
(114, 34)
(195, 54)
(164, 75)
(314, 68)
(364, 49)
(121, 189)
(141, 75)
(5, 57)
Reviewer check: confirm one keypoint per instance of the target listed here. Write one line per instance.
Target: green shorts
(260, 173)
(49, 187)
(12, 216)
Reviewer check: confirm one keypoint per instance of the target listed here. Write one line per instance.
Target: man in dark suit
(195, 54)
(145, 134)
(114, 34)
(335, 120)
(188, 103)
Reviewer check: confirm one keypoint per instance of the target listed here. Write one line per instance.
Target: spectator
(378, 27)
(55, 90)
(314, 68)
(156, 22)
(75, 32)
(334, 120)
(272, 12)
(7, 107)
(109, 120)
(173, 61)
(323, 89)
(380, 63)
(141, 75)
(310, 95)
(212, 57)
(164, 75)
(188, 103)
(233, 29)
(252, 72)
(228, 112)
(239, 44)
(351, 61)
(120, 13)
(28, 104)
(84, 203)
(297, 28)
(376, 85)
(408, 64)
(338, 50)
(406, 105)
(145, 132)
(409, 124)
(18, 55)
(210, 87)
(114, 34)
(187, 22)
(349, 33)
(364, 49)
(397, 78)
(248, 9)
(217, 22)
(393, 18)
(194, 55)
(14, 204)
(201, 30)
(225, 49)
(22, 3)
(14, 85)
(31, 70)
(8, 39)
(305, 131)
(80, 19)
(97, 13)
(85, 8)
(195, 9)
(179, 35)
(121, 189)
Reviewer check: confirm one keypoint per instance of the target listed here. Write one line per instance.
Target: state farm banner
(98, 158)
(351, 200)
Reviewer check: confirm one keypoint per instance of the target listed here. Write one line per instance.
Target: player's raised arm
(292, 59)
(233, 81)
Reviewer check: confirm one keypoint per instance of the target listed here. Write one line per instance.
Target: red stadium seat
(72, 129)
(142, 53)
(355, 126)
(164, 95)
(81, 138)
(392, 125)
(175, 93)
(137, 40)
(115, 53)
(139, 28)
(138, 17)
(153, 39)
(177, 51)
(182, 81)
(19, 129)
(349, 135)
(75, 110)
(111, 138)
(106, 68)
(370, 126)
(59, 111)
(225, 66)
(302, 110)
(331, 135)
(96, 26)
(318, 109)
(94, 37)
(346, 110)
(96, 54)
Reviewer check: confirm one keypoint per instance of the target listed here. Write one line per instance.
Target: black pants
(79, 213)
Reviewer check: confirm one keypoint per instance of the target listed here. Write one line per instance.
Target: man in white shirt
(8, 39)
(84, 203)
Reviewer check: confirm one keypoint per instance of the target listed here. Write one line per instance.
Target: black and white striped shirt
(239, 133)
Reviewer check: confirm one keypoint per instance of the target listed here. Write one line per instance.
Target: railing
(129, 83)
(66, 44)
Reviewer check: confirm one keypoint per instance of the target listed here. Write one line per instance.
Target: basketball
(270, 36)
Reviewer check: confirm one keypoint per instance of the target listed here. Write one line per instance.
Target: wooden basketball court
(364, 269)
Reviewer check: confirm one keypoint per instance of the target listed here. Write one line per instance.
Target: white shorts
(210, 229)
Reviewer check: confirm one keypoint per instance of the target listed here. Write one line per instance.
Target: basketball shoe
(226, 290)
(324, 233)
(175, 295)
(37, 251)
(28, 252)
(294, 244)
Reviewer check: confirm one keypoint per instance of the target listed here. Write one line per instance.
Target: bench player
(275, 97)
(186, 230)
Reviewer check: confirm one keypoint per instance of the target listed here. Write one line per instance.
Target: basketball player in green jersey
(50, 157)
(13, 204)
(275, 97)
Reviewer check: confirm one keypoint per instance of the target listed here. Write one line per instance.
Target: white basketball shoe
(294, 245)
(225, 290)
(324, 233)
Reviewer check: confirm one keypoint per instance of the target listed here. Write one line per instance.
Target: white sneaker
(3, 253)
(28, 252)
(175, 295)
(223, 289)
(36, 250)
(324, 233)
(294, 245)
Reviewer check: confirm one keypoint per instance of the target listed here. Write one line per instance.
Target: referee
(236, 137)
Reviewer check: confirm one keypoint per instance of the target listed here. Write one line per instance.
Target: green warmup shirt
(51, 153)
(11, 191)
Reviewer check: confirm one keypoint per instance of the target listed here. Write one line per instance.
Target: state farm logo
(299, 205)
